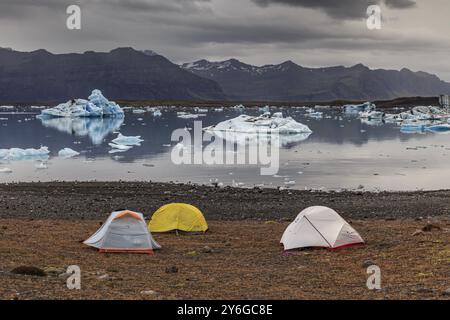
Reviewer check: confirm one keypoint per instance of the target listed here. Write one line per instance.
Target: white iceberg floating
(128, 140)
(265, 123)
(356, 108)
(5, 170)
(119, 148)
(185, 115)
(200, 110)
(41, 166)
(24, 154)
(372, 115)
(157, 113)
(67, 153)
(315, 114)
(96, 106)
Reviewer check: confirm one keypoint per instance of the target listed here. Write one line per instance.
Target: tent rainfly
(123, 231)
(178, 216)
(319, 227)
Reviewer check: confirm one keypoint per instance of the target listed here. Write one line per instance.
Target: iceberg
(119, 148)
(67, 153)
(255, 138)
(265, 123)
(442, 127)
(372, 115)
(157, 113)
(5, 170)
(185, 115)
(200, 110)
(24, 154)
(128, 140)
(41, 166)
(96, 106)
(356, 108)
(412, 127)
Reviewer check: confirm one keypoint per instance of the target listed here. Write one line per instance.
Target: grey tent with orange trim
(123, 231)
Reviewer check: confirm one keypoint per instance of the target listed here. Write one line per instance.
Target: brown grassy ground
(246, 263)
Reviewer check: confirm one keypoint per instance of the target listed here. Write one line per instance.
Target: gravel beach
(42, 226)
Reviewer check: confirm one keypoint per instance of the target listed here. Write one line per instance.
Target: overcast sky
(415, 33)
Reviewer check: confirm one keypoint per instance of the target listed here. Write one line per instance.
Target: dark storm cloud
(340, 9)
(23, 8)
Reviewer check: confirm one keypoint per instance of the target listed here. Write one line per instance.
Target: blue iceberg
(356, 108)
(128, 140)
(24, 154)
(443, 127)
(67, 153)
(96, 106)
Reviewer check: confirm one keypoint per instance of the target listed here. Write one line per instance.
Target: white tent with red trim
(319, 227)
(123, 231)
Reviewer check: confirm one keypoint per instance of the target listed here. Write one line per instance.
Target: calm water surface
(342, 152)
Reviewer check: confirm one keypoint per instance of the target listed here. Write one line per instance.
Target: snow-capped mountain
(288, 81)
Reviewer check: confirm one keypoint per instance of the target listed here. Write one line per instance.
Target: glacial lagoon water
(343, 152)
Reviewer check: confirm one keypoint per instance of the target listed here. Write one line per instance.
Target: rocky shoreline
(89, 200)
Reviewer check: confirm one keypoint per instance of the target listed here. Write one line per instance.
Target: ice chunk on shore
(265, 123)
(24, 154)
(5, 170)
(128, 140)
(67, 153)
(96, 106)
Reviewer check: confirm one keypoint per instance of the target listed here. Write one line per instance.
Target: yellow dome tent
(178, 216)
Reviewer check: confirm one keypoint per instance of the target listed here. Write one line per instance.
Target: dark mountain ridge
(122, 73)
(288, 81)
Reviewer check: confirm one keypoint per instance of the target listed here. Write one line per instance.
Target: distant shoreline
(398, 102)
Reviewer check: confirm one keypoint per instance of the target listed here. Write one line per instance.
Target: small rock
(29, 271)
(103, 277)
(368, 263)
(192, 253)
(54, 271)
(172, 269)
(207, 249)
(446, 292)
(424, 290)
(148, 292)
(429, 227)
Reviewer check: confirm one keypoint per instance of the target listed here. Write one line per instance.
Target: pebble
(207, 249)
(148, 292)
(368, 263)
(103, 277)
(172, 269)
(424, 290)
